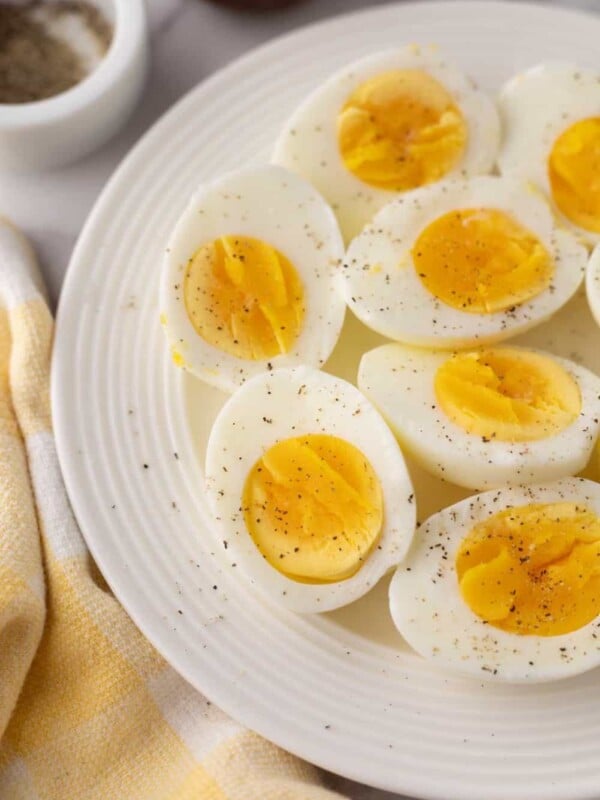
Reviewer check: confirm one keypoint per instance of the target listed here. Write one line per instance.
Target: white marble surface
(190, 39)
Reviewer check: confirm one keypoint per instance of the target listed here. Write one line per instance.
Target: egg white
(308, 141)
(428, 610)
(381, 283)
(399, 381)
(592, 283)
(288, 403)
(280, 208)
(536, 106)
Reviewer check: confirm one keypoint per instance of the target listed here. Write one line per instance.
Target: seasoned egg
(250, 278)
(461, 263)
(308, 488)
(389, 123)
(482, 418)
(505, 585)
(551, 121)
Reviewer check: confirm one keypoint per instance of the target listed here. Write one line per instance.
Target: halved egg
(487, 417)
(388, 123)
(505, 585)
(551, 122)
(250, 278)
(308, 488)
(461, 263)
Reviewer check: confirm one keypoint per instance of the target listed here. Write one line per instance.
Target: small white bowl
(52, 132)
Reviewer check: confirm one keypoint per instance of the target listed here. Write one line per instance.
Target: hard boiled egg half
(389, 123)
(505, 585)
(250, 278)
(483, 418)
(551, 122)
(461, 263)
(308, 489)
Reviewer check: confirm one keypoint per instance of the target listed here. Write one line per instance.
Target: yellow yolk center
(574, 173)
(481, 260)
(400, 130)
(244, 297)
(507, 394)
(533, 569)
(313, 506)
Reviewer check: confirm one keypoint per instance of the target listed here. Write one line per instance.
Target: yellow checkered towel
(87, 708)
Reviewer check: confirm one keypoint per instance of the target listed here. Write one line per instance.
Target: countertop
(190, 40)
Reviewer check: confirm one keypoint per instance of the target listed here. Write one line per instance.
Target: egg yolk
(314, 507)
(400, 130)
(534, 569)
(507, 394)
(481, 260)
(574, 173)
(244, 297)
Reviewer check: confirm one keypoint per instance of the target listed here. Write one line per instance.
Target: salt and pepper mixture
(47, 48)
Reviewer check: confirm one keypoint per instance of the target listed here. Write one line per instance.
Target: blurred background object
(255, 5)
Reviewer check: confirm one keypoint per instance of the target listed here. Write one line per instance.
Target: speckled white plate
(341, 690)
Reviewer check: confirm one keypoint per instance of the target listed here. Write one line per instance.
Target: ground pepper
(35, 61)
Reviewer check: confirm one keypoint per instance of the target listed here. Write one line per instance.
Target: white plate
(341, 690)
